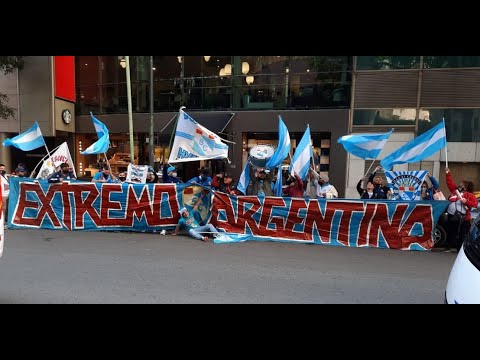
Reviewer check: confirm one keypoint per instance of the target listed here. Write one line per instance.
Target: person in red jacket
(462, 200)
(294, 188)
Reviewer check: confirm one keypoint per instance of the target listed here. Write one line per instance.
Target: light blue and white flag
(301, 159)
(406, 185)
(278, 189)
(29, 140)
(283, 147)
(418, 148)
(244, 179)
(194, 142)
(103, 143)
(365, 146)
(230, 238)
(100, 127)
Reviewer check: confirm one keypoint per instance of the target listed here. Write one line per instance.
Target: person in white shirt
(324, 188)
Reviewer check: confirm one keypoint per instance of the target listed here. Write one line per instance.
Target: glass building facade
(213, 83)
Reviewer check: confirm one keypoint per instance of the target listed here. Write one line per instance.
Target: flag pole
(446, 149)
(174, 130)
(41, 161)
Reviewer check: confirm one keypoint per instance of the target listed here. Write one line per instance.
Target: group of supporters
(457, 218)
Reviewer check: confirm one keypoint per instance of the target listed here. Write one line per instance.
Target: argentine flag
(365, 146)
(100, 127)
(418, 148)
(301, 159)
(103, 143)
(244, 179)
(29, 140)
(283, 146)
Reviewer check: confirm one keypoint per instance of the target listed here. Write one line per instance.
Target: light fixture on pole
(222, 72)
(207, 58)
(179, 58)
(249, 79)
(245, 68)
(123, 62)
(228, 69)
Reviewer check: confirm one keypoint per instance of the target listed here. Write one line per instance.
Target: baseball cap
(170, 169)
(225, 175)
(182, 210)
(20, 168)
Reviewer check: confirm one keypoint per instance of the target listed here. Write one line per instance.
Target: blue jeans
(197, 232)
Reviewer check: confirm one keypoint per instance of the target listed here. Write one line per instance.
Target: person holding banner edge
(461, 200)
(188, 221)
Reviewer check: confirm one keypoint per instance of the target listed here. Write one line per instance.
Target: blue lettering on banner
(184, 154)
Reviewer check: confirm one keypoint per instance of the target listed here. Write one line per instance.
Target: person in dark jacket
(381, 191)
(63, 174)
(203, 179)
(367, 193)
(169, 174)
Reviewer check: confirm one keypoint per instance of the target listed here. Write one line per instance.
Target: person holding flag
(63, 174)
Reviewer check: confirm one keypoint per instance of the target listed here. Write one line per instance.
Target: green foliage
(8, 64)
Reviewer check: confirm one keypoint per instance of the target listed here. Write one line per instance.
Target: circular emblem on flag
(66, 116)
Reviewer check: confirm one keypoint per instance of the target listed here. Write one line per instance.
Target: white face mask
(174, 174)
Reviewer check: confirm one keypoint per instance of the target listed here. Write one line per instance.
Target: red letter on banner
(245, 216)
(86, 206)
(268, 203)
(222, 202)
(390, 229)
(45, 208)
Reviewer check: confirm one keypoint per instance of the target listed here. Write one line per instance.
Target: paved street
(43, 266)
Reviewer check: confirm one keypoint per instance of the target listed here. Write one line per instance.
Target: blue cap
(182, 210)
(171, 168)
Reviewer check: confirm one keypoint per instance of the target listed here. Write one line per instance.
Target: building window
(387, 62)
(435, 62)
(389, 117)
(462, 125)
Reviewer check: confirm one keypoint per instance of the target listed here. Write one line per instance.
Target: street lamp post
(129, 102)
(150, 140)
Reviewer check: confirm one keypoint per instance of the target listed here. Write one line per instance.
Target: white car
(463, 285)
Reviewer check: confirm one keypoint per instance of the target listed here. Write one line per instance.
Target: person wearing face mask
(122, 177)
(427, 192)
(203, 179)
(63, 174)
(169, 174)
(461, 200)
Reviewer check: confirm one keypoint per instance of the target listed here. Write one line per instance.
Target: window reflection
(431, 62)
(461, 125)
(387, 62)
(398, 116)
(221, 83)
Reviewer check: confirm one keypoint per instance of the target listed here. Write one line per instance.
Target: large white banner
(59, 156)
(194, 142)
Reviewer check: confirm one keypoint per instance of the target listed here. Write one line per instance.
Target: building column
(5, 154)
